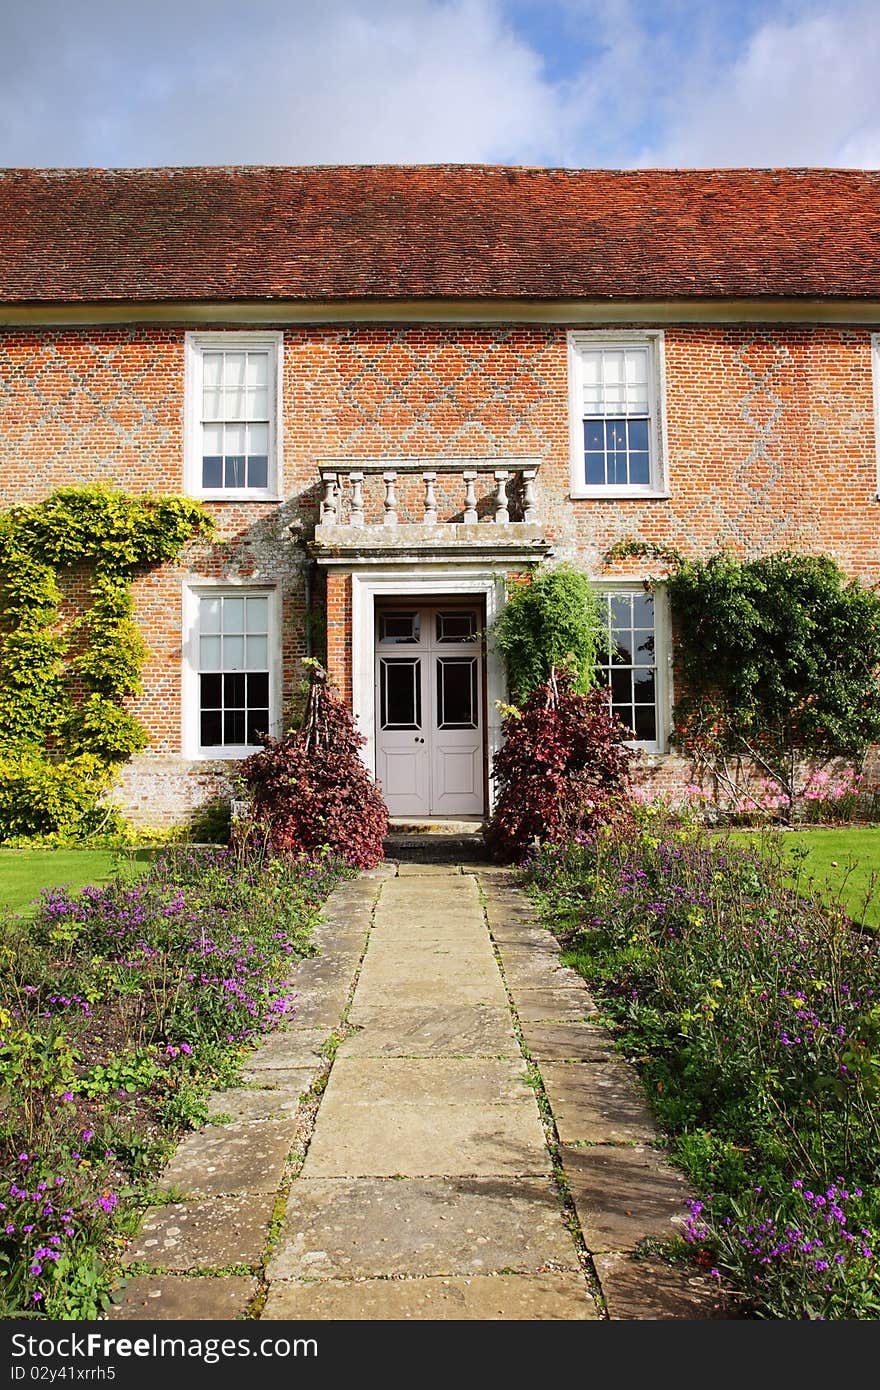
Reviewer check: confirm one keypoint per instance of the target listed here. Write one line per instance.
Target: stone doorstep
(496, 1297)
(368, 1227)
(173, 1297)
(211, 1233)
(598, 1103)
(247, 1157)
(647, 1289)
(623, 1196)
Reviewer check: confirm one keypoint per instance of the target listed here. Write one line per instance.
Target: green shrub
(552, 620)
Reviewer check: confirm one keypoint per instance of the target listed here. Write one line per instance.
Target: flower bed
(753, 1014)
(121, 1007)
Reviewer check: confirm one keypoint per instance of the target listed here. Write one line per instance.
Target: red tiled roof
(444, 231)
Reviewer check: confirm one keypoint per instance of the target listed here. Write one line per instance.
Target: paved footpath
(444, 1132)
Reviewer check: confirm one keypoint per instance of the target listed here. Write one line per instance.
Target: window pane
(258, 440)
(625, 715)
(212, 370)
(621, 684)
(258, 690)
(257, 653)
(457, 693)
(234, 370)
(209, 614)
(256, 724)
(233, 692)
(257, 615)
(400, 689)
(212, 403)
(594, 435)
(646, 723)
(595, 470)
(621, 611)
(639, 469)
(211, 732)
(234, 726)
(212, 472)
(643, 610)
(233, 614)
(399, 627)
(211, 688)
(456, 627)
(638, 435)
(233, 653)
(234, 471)
(258, 472)
(644, 648)
(209, 654)
(257, 404)
(257, 369)
(643, 687)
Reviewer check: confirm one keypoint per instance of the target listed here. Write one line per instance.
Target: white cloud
(269, 82)
(803, 92)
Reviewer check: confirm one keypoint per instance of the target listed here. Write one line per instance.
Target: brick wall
(770, 445)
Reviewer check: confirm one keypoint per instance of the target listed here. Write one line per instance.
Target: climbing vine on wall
(779, 669)
(63, 725)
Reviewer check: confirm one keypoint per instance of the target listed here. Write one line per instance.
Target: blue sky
(581, 83)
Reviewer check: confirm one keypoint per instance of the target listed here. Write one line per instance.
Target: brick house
(395, 387)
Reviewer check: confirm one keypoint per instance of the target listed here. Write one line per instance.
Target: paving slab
(624, 1195)
(535, 969)
(245, 1157)
(427, 1139)
(524, 934)
(209, 1234)
(368, 1227)
(427, 994)
(281, 1080)
(415, 966)
(649, 1289)
(326, 969)
(602, 1101)
(406, 870)
(485, 1298)
(360, 1081)
(555, 1004)
(322, 1008)
(288, 1049)
(478, 1030)
(257, 1103)
(174, 1297)
(568, 1041)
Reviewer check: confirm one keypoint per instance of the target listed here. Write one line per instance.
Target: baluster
(530, 501)
(329, 504)
(502, 515)
(470, 497)
(390, 499)
(357, 499)
(430, 499)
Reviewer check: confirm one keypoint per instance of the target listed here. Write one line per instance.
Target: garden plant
(121, 1007)
(753, 1014)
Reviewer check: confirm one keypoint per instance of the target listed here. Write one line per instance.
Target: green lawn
(842, 862)
(24, 873)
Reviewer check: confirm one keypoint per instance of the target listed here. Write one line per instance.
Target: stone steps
(435, 842)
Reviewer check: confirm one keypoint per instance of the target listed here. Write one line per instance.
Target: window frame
(653, 339)
(193, 591)
(663, 691)
(196, 345)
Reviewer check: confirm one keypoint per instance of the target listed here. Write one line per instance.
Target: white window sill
(616, 494)
(225, 753)
(238, 495)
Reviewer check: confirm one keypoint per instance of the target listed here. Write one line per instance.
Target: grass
(24, 873)
(842, 863)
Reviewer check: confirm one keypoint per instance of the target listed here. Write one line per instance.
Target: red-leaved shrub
(311, 789)
(562, 770)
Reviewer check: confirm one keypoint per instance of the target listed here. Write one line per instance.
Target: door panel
(429, 719)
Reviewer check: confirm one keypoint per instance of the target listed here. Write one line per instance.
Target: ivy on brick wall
(63, 725)
(778, 669)
(550, 620)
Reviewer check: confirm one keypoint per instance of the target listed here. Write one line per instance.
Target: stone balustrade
(355, 489)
